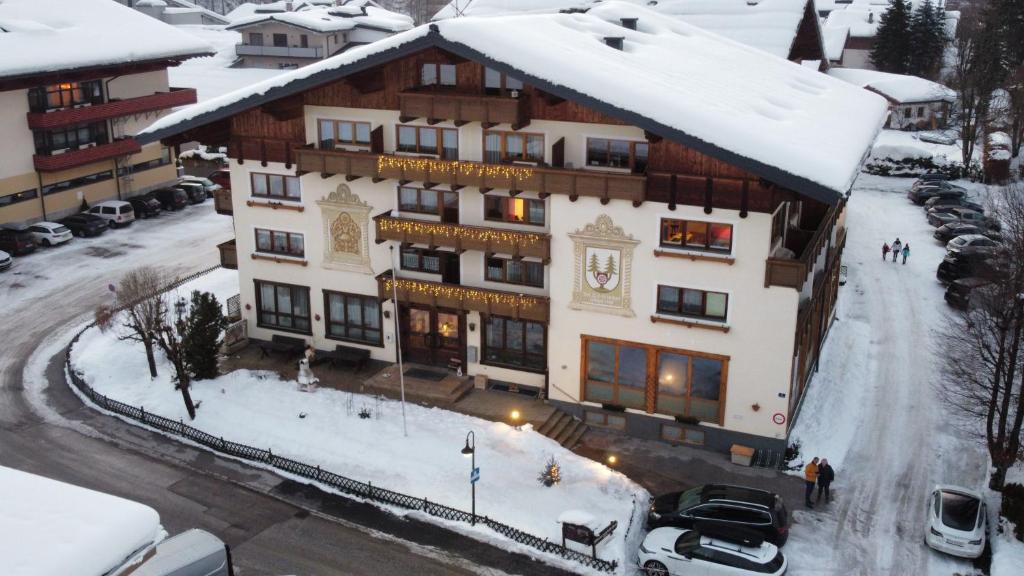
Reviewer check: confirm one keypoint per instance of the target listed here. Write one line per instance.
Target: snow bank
(49, 527)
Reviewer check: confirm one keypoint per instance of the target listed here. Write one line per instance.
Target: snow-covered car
(922, 193)
(50, 233)
(957, 522)
(677, 551)
(5, 261)
(947, 232)
(964, 215)
(936, 138)
(971, 244)
(928, 178)
(209, 185)
(955, 200)
(116, 212)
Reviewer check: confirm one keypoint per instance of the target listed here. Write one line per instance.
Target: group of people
(897, 249)
(818, 474)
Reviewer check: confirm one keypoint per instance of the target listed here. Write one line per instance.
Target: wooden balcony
(464, 298)
(112, 109)
(87, 155)
(543, 179)
(222, 202)
(463, 237)
(228, 254)
(793, 272)
(463, 108)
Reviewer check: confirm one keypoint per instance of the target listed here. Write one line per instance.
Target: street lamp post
(470, 451)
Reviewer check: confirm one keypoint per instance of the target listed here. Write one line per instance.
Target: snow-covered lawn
(320, 428)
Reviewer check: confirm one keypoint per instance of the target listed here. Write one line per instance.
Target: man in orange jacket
(810, 479)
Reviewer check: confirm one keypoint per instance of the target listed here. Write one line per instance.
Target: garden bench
(287, 345)
(347, 355)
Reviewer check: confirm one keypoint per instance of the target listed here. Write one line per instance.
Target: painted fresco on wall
(604, 265)
(346, 221)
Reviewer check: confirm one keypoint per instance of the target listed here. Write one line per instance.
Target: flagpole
(398, 336)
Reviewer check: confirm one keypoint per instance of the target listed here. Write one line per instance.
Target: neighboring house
(650, 242)
(177, 12)
(857, 21)
(786, 28)
(68, 115)
(835, 39)
(291, 35)
(914, 103)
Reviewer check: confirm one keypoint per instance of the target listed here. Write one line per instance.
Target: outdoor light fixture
(612, 460)
(472, 326)
(474, 474)
(514, 415)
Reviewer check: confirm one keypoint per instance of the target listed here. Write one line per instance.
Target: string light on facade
(462, 293)
(454, 167)
(395, 225)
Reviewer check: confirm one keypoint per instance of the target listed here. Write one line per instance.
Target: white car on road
(676, 551)
(956, 521)
(50, 233)
(5, 261)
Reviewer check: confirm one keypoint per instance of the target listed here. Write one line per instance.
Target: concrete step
(576, 435)
(460, 392)
(563, 424)
(551, 422)
(569, 432)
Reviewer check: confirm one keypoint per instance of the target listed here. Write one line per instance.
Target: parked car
(957, 266)
(222, 177)
(958, 215)
(929, 178)
(17, 241)
(922, 193)
(49, 233)
(947, 232)
(724, 505)
(145, 206)
(957, 521)
(209, 185)
(959, 292)
(936, 138)
(196, 192)
(85, 224)
(675, 551)
(172, 198)
(5, 261)
(116, 212)
(956, 200)
(971, 244)
(194, 552)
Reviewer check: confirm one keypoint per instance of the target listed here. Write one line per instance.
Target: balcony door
(435, 337)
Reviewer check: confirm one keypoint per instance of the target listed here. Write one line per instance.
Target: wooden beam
(403, 182)
(652, 137)
(488, 125)
(404, 119)
(672, 192)
(377, 180)
(520, 125)
(461, 123)
(434, 121)
(574, 197)
(709, 190)
(350, 177)
(605, 201)
(543, 195)
(744, 198)
(514, 193)
(429, 185)
(457, 187)
(282, 109)
(325, 175)
(485, 190)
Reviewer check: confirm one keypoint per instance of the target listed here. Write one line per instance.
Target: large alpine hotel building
(639, 218)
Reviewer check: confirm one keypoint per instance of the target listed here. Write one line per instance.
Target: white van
(115, 212)
(194, 552)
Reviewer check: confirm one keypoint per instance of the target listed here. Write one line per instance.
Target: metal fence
(364, 490)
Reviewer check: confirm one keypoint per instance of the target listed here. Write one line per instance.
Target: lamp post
(470, 452)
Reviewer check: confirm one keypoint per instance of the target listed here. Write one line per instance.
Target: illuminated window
(518, 210)
(696, 235)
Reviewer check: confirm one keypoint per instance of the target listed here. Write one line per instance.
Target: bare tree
(976, 71)
(142, 308)
(171, 337)
(983, 378)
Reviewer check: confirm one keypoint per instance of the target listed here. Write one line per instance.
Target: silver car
(971, 244)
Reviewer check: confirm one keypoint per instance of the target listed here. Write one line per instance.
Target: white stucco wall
(18, 146)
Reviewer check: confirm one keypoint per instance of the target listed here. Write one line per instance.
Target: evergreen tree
(892, 40)
(927, 40)
(201, 340)
(593, 267)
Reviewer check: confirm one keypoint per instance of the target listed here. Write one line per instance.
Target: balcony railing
(464, 298)
(793, 272)
(279, 51)
(228, 254)
(461, 108)
(543, 179)
(83, 156)
(463, 237)
(222, 202)
(113, 109)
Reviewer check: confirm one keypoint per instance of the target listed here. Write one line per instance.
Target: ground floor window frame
(367, 323)
(521, 355)
(297, 320)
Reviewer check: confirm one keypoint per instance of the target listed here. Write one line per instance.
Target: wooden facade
(462, 237)
(464, 298)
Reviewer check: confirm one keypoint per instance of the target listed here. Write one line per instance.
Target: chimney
(614, 41)
(287, 6)
(629, 23)
(871, 17)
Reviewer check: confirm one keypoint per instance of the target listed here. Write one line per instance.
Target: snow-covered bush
(912, 167)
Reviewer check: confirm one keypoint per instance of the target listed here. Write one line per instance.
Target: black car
(924, 192)
(85, 224)
(958, 293)
(196, 191)
(724, 506)
(947, 232)
(16, 242)
(145, 206)
(171, 198)
(956, 266)
(955, 200)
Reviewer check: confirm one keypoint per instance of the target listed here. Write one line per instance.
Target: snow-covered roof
(834, 40)
(860, 19)
(728, 100)
(900, 88)
(38, 36)
(327, 19)
(186, 6)
(55, 528)
(770, 25)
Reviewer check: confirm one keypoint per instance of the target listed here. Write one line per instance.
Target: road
(273, 526)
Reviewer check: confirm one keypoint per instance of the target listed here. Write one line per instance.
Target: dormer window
(498, 84)
(434, 74)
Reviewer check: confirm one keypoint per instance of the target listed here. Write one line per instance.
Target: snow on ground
(50, 527)
(872, 410)
(212, 76)
(322, 428)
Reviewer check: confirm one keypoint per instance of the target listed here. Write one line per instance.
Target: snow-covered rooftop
(901, 88)
(766, 114)
(328, 18)
(50, 527)
(834, 40)
(770, 25)
(38, 36)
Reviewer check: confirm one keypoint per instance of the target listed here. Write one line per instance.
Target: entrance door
(433, 337)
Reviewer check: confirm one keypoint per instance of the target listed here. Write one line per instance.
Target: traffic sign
(474, 476)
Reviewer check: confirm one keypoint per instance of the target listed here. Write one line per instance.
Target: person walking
(897, 246)
(810, 479)
(906, 252)
(885, 251)
(825, 477)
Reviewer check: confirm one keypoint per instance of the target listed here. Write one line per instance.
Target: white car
(50, 233)
(957, 521)
(971, 244)
(115, 212)
(5, 260)
(675, 551)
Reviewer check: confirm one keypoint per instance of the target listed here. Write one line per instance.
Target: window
(255, 39)
(70, 137)
(343, 132)
(434, 74)
(304, 41)
(517, 210)
(513, 146)
(617, 154)
(443, 142)
(276, 186)
(282, 307)
(696, 235)
(425, 201)
(693, 303)
(496, 83)
(163, 160)
(353, 317)
(283, 243)
(662, 380)
(680, 435)
(906, 112)
(517, 344)
(281, 40)
(514, 272)
(604, 420)
(65, 95)
(77, 182)
(9, 199)
(421, 260)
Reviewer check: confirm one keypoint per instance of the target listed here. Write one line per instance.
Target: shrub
(914, 167)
